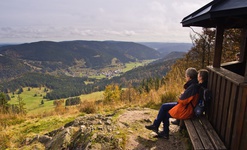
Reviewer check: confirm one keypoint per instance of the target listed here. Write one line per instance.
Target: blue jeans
(163, 116)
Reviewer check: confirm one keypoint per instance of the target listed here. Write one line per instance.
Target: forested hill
(166, 48)
(47, 56)
(94, 53)
(64, 86)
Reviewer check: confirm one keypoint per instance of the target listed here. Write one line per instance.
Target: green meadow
(33, 97)
(92, 96)
(132, 65)
(126, 67)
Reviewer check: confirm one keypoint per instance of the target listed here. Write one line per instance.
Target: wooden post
(243, 46)
(243, 52)
(245, 74)
(218, 46)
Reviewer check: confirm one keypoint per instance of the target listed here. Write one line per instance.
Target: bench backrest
(228, 109)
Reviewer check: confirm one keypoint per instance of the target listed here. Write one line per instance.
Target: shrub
(87, 107)
(72, 101)
(59, 106)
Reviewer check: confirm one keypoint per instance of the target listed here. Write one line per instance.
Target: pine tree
(21, 103)
(3, 103)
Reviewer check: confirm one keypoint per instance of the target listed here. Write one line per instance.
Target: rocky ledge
(121, 130)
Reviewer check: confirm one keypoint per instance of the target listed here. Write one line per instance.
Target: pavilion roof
(230, 13)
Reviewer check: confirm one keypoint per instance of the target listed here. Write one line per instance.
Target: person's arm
(188, 95)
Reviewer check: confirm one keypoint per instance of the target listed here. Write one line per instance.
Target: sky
(120, 20)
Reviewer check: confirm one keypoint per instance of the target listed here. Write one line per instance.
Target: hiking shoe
(162, 135)
(176, 122)
(153, 128)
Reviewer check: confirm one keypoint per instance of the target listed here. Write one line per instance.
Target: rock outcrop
(85, 132)
(124, 129)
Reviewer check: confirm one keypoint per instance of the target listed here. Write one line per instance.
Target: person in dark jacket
(202, 78)
(180, 109)
(203, 84)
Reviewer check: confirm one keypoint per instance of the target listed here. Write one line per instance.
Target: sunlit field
(33, 97)
(131, 65)
(124, 68)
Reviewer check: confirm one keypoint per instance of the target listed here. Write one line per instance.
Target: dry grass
(88, 107)
(21, 128)
(16, 129)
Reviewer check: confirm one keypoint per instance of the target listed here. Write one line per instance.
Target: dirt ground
(139, 138)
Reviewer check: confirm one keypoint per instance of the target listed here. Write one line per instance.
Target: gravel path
(139, 138)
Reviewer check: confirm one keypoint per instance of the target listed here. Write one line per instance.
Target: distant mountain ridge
(171, 56)
(94, 53)
(166, 48)
(48, 56)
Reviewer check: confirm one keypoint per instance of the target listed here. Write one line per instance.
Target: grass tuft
(169, 96)
(88, 107)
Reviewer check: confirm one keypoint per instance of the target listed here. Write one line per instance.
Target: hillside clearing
(32, 98)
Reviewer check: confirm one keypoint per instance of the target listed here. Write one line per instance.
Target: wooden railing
(227, 112)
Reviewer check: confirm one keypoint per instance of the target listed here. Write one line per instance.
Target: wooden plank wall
(239, 131)
(227, 112)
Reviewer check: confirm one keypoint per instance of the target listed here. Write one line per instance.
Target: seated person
(202, 78)
(181, 109)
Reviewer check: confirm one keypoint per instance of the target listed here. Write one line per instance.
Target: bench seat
(202, 134)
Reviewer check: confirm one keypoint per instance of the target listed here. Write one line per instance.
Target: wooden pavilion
(228, 82)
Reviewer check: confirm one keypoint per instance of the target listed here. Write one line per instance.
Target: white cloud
(132, 20)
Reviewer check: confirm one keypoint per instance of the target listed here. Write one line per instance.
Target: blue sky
(123, 20)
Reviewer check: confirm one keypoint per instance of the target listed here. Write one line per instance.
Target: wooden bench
(202, 134)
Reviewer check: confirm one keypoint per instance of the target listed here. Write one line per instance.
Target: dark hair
(191, 72)
(204, 74)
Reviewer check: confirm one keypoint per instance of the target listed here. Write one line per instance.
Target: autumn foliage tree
(112, 93)
(202, 52)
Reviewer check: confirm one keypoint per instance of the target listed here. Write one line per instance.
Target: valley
(108, 78)
(73, 68)
(33, 96)
(115, 69)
